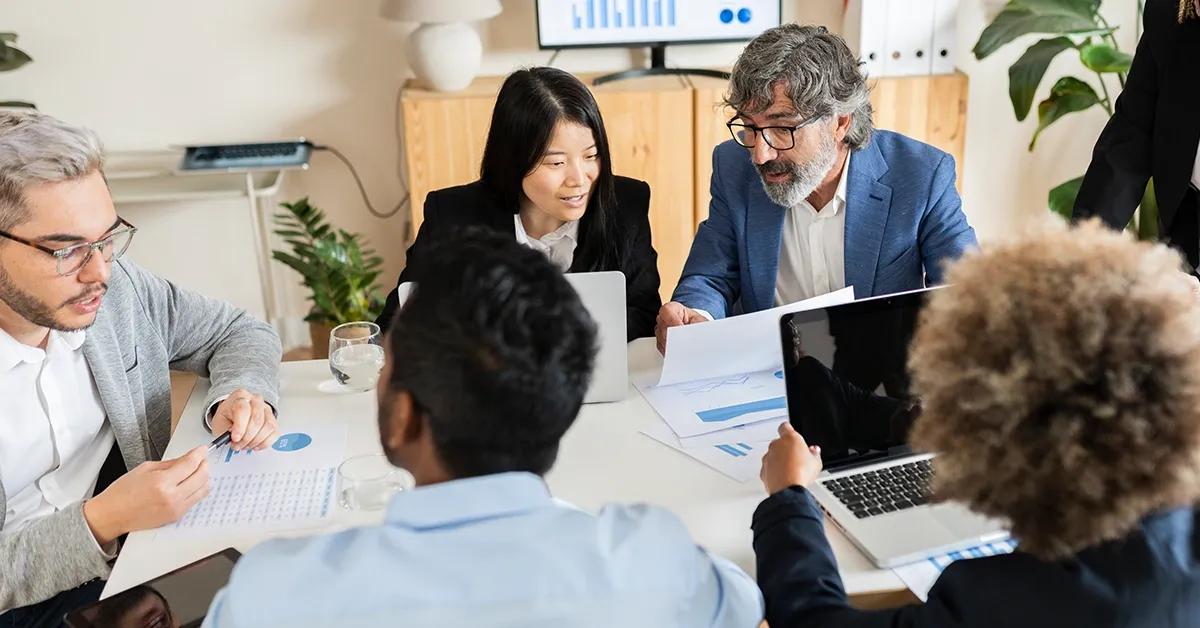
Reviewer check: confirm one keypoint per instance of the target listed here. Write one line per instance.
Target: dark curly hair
(1060, 384)
(497, 350)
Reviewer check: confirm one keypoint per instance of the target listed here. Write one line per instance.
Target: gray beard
(29, 308)
(805, 177)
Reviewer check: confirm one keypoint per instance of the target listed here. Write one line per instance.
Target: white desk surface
(602, 459)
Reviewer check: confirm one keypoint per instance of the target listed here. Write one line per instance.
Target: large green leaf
(1022, 17)
(12, 58)
(1104, 58)
(1062, 197)
(1026, 74)
(1068, 95)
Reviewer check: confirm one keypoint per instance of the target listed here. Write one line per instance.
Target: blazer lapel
(867, 205)
(764, 227)
(100, 350)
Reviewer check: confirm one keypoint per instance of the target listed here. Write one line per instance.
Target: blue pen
(223, 439)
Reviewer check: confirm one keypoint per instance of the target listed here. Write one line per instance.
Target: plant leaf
(12, 104)
(1021, 17)
(8, 38)
(1068, 95)
(1062, 197)
(1104, 58)
(12, 58)
(1026, 74)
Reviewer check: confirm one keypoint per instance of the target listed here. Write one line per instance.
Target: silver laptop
(603, 294)
(847, 390)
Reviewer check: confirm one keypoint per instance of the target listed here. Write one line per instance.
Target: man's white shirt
(54, 436)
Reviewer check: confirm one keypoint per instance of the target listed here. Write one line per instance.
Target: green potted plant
(12, 58)
(338, 271)
(1070, 25)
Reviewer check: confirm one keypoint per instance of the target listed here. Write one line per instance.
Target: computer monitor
(654, 23)
(633, 23)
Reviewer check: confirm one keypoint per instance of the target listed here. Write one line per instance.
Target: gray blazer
(145, 326)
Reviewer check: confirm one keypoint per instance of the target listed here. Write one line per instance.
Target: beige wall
(147, 73)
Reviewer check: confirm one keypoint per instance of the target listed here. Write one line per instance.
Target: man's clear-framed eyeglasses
(777, 137)
(70, 259)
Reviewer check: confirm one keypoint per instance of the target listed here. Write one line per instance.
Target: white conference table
(603, 458)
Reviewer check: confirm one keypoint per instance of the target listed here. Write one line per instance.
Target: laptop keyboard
(884, 490)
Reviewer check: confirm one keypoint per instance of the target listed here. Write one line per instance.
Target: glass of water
(356, 355)
(369, 482)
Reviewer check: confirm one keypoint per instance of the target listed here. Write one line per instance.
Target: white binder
(945, 32)
(909, 36)
(865, 30)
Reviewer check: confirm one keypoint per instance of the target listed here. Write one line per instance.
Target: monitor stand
(658, 67)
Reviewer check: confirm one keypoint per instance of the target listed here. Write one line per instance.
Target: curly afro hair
(1060, 384)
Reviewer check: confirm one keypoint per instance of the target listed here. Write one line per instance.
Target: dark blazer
(1149, 578)
(449, 211)
(1154, 129)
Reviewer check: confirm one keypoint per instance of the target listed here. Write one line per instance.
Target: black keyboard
(884, 490)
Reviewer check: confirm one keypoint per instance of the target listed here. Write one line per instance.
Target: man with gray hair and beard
(808, 197)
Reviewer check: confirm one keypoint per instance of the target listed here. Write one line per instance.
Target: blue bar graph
(609, 14)
(726, 413)
(736, 450)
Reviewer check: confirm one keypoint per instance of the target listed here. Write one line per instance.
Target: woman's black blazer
(450, 210)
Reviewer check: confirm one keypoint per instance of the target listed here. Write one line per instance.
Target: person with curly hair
(1059, 382)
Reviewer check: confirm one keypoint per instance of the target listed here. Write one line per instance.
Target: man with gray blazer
(86, 342)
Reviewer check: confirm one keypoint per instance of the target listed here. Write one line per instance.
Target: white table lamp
(444, 51)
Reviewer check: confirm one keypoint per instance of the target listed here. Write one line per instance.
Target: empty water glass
(369, 482)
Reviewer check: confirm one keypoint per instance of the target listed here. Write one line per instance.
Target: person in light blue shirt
(487, 365)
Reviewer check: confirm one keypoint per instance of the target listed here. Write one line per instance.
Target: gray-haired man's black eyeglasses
(70, 259)
(777, 137)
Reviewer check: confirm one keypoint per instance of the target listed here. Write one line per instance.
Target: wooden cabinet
(661, 130)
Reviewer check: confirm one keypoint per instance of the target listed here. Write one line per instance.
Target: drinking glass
(356, 355)
(369, 482)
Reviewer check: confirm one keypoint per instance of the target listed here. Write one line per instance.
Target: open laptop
(603, 294)
(847, 390)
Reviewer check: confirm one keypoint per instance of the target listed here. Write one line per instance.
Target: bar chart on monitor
(613, 22)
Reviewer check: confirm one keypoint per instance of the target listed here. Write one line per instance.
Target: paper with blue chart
(919, 577)
(291, 484)
(739, 459)
(722, 387)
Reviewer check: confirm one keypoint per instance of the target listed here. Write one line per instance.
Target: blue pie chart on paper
(779, 374)
(292, 442)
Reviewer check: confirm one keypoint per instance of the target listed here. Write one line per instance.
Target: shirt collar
(468, 500)
(840, 194)
(13, 352)
(569, 229)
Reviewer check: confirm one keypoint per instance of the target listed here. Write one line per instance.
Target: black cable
(554, 56)
(362, 190)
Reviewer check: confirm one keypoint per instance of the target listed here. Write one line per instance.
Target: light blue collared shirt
(496, 550)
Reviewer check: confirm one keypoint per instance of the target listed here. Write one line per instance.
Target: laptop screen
(847, 378)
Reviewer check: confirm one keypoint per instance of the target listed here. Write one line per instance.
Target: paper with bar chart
(919, 577)
(710, 408)
(738, 459)
(710, 405)
(291, 484)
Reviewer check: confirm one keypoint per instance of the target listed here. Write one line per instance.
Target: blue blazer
(903, 220)
(1150, 578)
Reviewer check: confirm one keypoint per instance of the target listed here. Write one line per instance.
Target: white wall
(147, 73)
